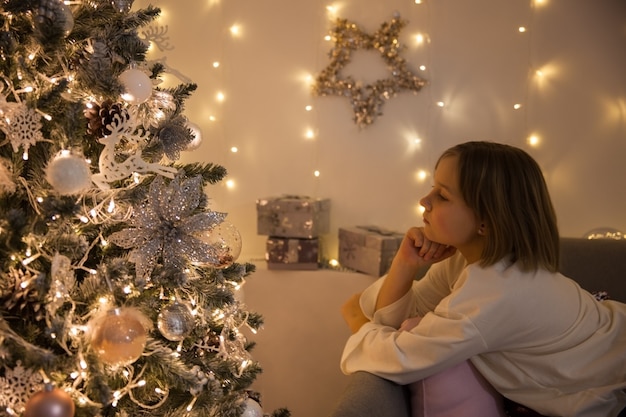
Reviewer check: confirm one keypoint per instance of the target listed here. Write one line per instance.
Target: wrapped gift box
(368, 249)
(293, 216)
(291, 253)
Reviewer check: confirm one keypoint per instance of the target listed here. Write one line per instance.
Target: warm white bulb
(216, 64)
(517, 106)
(521, 29)
(234, 149)
(533, 140)
(308, 108)
(220, 96)
(316, 173)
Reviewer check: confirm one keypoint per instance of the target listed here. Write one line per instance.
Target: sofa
(596, 264)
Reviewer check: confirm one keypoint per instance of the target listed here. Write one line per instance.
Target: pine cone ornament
(99, 116)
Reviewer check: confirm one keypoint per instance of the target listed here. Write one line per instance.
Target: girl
(493, 298)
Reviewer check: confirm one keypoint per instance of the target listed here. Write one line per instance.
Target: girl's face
(447, 219)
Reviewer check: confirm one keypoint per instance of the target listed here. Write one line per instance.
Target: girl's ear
(482, 229)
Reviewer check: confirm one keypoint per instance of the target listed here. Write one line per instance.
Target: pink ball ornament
(51, 402)
(119, 336)
(137, 86)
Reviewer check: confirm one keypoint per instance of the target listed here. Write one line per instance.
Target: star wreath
(366, 100)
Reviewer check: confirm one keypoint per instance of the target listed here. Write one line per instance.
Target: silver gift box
(293, 216)
(368, 249)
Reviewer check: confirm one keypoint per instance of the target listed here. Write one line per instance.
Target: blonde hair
(506, 189)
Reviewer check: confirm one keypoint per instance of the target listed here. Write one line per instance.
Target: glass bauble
(137, 86)
(175, 321)
(51, 402)
(226, 239)
(119, 337)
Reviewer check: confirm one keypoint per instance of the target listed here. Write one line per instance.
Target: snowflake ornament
(22, 125)
(17, 386)
(164, 227)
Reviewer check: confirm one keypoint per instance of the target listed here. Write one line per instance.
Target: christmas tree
(117, 281)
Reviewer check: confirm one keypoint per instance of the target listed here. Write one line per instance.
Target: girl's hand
(417, 251)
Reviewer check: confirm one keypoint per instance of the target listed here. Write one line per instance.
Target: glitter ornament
(137, 86)
(68, 174)
(226, 239)
(51, 402)
(253, 409)
(119, 336)
(175, 321)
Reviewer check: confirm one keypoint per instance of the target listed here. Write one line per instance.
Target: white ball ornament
(137, 86)
(197, 140)
(68, 173)
(253, 409)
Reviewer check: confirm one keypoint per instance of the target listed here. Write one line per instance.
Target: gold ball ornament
(137, 86)
(51, 402)
(119, 336)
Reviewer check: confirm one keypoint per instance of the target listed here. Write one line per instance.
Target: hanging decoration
(119, 336)
(366, 100)
(21, 124)
(175, 321)
(164, 226)
(51, 402)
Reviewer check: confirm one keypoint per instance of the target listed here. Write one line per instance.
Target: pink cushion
(459, 391)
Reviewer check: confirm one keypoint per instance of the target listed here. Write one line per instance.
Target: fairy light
(234, 149)
(441, 104)
(235, 30)
(421, 175)
(111, 207)
(533, 140)
(220, 96)
(517, 106)
(308, 108)
(316, 173)
(309, 134)
(216, 64)
(521, 29)
(230, 184)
